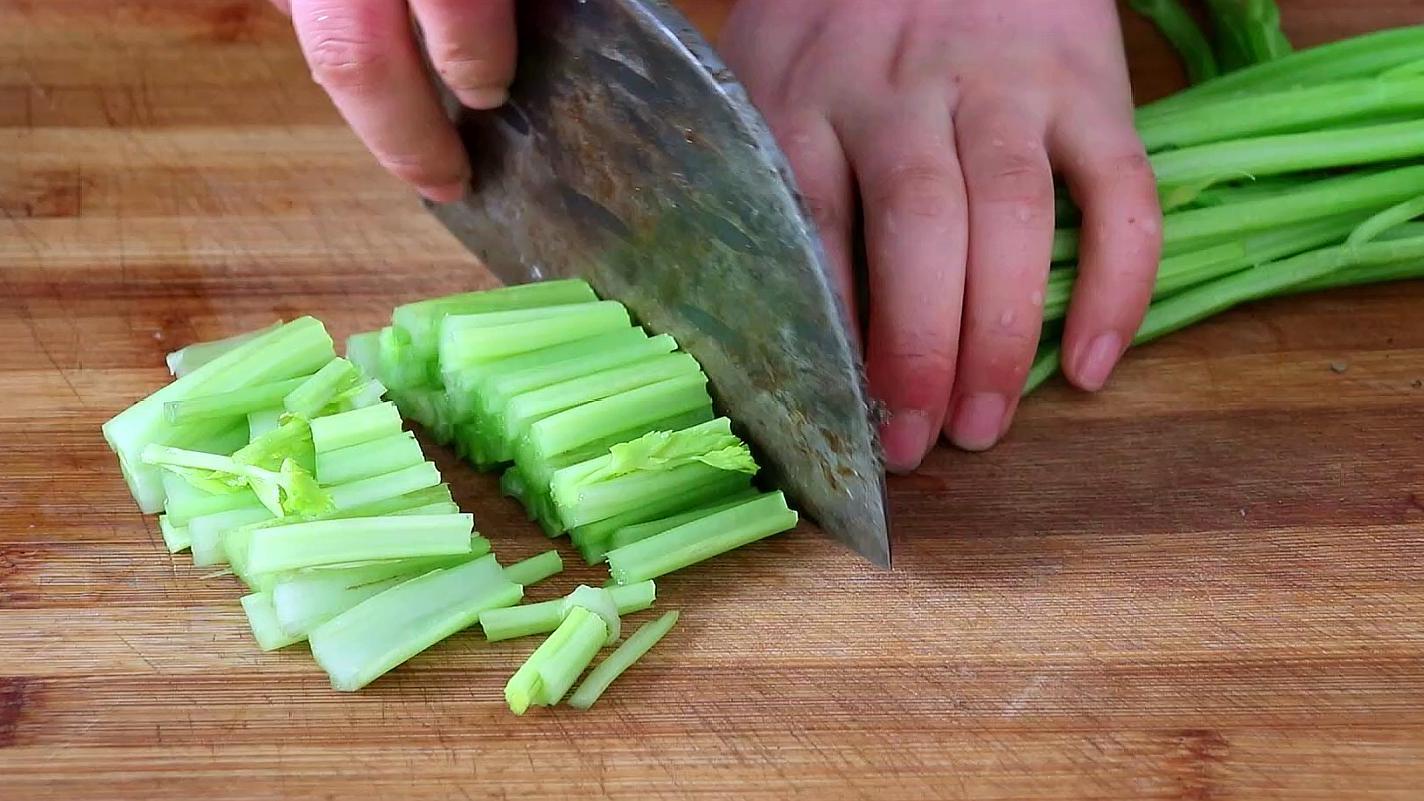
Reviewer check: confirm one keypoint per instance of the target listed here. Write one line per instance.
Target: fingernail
(977, 421)
(484, 97)
(1096, 363)
(905, 439)
(448, 193)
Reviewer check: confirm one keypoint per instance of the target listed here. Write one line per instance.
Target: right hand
(364, 53)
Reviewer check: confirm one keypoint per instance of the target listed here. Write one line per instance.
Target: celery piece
(511, 485)
(538, 470)
(1185, 36)
(226, 405)
(186, 360)
(206, 532)
(400, 369)
(333, 542)
(318, 390)
(580, 425)
(176, 538)
(472, 339)
(722, 487)
(419, 322)
(1247, 32)
(407, 503)
(545, 616)
(599, 601)
(182, 510)
(229, 440)
(337, 431)
(368, 459)
(1363, 274)
(535, 569)
(637, 532)
(622, 658)
(389, 485)
(702, 539)
(1383, 221)
(711, 443)
(428, 407)
(367, 640)
(362, 394)
(263, 620)
(364, 351)
(263, 421)
(429, 509)
(605, 499)
(557, 663)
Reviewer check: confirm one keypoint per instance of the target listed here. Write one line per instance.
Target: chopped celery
(442, 508)
(337, 431)
(368, 459)
(176, 538)
(233, 403)
(580, 503)
(419, 322)
(538, 470)
(362, 643)
(622, 658)
(702, 539)
(580, 425)
(711, 443)
(263, 620)
(182, 510)
(186, 360)
(535, 569)
(263, 421)
(557, 663)
(364, 351)
(722, 487)
(628, 535)
(544, 617)
(206, 533)
(599, 601)
(399, 367)
(335, 377)
(475, 338)
(389, 485)
(363, 539)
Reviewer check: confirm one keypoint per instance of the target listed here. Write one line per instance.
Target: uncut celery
(368, 459)
(175, 538)
(535, 569)
(206, 533)
(545, 616)
(337, 431)
(387, 485)
(1247, 32)
(234, 403)
(1045, 366)
(419, 321)
(362, 643)
(472, 339)
(263, 421)
(321, 387)
(581, 425)
(557, 663)
(702, 539)
(622, 658)
(262, 618)
(637, 532)
(186, 360)
(1383, 221)
(1185, 36)
(1065, 244)
(334, 542)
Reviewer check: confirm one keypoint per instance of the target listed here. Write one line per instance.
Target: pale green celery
(524, 410)
(1182, 31)
(1247, 32)
(1065, 244)
(428, 407)
(544, 617)
(228, 405)
(296, 348)
(566, 482)
(368, 459)
(420, 321)
(1407, 230)
(176, 538)
(511, 484)
(1356, 57)
(1045, 366)
(337, 431)
(725, 485)
(641, 531)
(557, 663)
(622, 658)
(573, 428)
(178, 491)
(321, 387)
(399, 367)
(263, 620)
(1383, 221)
(362, 643)
(702, 539)
(389, 485)
(263, 421)
(406, 503)
(1287, 153)
(365, 393)
(291, 439)
(429, 509)
(1306, 108)
(206, 533)
(1364, 274)
(364, 539)
(182, 510)
(535, 569)
(608, 498)
(228, 440)
(364, 351)
(471, 339)
(186, 360)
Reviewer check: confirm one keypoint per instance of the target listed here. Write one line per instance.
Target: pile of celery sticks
(1303, 171)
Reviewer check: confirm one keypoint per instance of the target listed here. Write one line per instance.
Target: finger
(363, 53)
(472, 46)
(1010, 190)
(1107, 171)
(284, 6)
(912, 198)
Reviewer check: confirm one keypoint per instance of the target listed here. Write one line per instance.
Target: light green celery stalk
(557, 663)
(428, 407)
(263, 421)
(364, 642)
(724, 486)
(288, 490)
(343, 430)
(228, 405)
(364, 351)
(1247, 32)
(638, 532)
(466, 340)
(334, 542)
(1045, 366)
(296, 348)
(388, 485)
(535, 569)
(1186, 37)
(180, 511)
(206, 533)
(335, 377)
(229, 440)
(542, 618)
(623, 657)
(430, 509)
(186, 360)
(175, 538)
(1363, 274)
(1384, 221)
(702, 539)
(605, 499)
(262, 618)
(368, 459)
(400, 369)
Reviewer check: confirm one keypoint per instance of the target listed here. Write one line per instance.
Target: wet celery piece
(364, 642)
(182, 510)
(419, 322)
(263, 421)
(368, 459)
(557, 663)
(333, 542)
(545, 616)
(702, 539)
(724, 486)
(186, 360)
(389, 485)
(343, 430)
(622, 658)
(576, 427)
(175, 538)
(535, 569)
(471, 339)
(227, 405)
(637, 532)
(321, 387)
(364, 351)
(262, 619)
(206, 534)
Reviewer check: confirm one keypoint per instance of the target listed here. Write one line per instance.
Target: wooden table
(1206, 583)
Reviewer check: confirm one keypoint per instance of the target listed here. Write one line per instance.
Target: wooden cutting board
(1205, 583)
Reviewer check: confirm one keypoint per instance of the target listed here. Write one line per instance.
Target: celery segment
(557, 663)
(622, 658)
(343, 430)
(701, 539)
(535, 569)
(262, 618)
(334, 542)
(545, 616)
(368, 459)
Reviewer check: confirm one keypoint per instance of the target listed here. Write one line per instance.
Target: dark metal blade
(629, 156)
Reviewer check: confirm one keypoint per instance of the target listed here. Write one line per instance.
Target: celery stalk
(637, 532)
(389, 485)
(419, 322)
(343, 430)
(723, 486)
(364, 642)
(364, 351)
(472, 339)
(186, 360)
(321, 387)
(622, 658)
(263, 620)
(368, 459)
(535, 569)
(225, 405)
(693, 542)
(334, 542)
(1183, 33)
(429, 509)
(557, 663)
(263, 421)
(1383, 221)
(580, 425)
(176, 538)
(180, 511)
(400, 369)
(206, 532)
(545, 616)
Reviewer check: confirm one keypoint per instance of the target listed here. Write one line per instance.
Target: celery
(333, 542)
(263, 421)
(429, 509)
(419, 322)
(557, 663)
(466, 340)
(1045, 366)
(580, 425)
(723, 486)
(1183, 33)
(263, 620)
(400, 369)
(702, 539)
(535, 569)
(1065, 244)
(176, 538)
(389, 485)
(544, 617)
(234, 403)
(608, 498)
(182, 510)
(622, 658)
(1392, 217)
(321, 387)
(337, 431)
(368, 459)
(206, 532)
(1247, 32)
(364, 351)
(637, 532)
(364, 642)
(186, 360)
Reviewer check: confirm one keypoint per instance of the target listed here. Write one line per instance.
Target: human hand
(947, 119)
(364, 53)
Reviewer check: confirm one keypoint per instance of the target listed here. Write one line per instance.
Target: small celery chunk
(176, 538)
(622, 658)
(535, 569)
(368, 459)
(263, 620)
(474, 338)
(363, 539)
(701, 539)
(235, 403)
(389, 485)
(545, 616)
(335, 377)
(557, 663)
(186, 360)
(337, 431)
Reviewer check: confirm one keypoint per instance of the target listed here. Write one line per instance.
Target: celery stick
(544, 617)
(176, 538)
(622, 658)
(428, 509)
(234, 403)
(1247, 32)
(182, 510)
(693, 542)
(400, 369)
(263, 620)
(389, 485)
(1045, 366)
(608, 498)
(332, 542)
(1383, 221)
(1065, 244)
(263, 421)
(362, 643)
(535, 568)
(186, 360)
(1363, 274)
(472, 339)
(419, 322)
(556, 664)
(366, 393)
(637, 532)
(580, 425)
(364, 351)
(206, 532)
(723, 486)
(1183, 33)
(318, 390)
(368, 459)
(538, 470)
(337, 431)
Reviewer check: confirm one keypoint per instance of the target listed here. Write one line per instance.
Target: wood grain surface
(1205, 583)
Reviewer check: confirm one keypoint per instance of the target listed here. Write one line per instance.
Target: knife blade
(628, 155)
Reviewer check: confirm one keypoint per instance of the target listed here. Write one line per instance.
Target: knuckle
(1022, 182)
(923, 188)
(344, 56)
